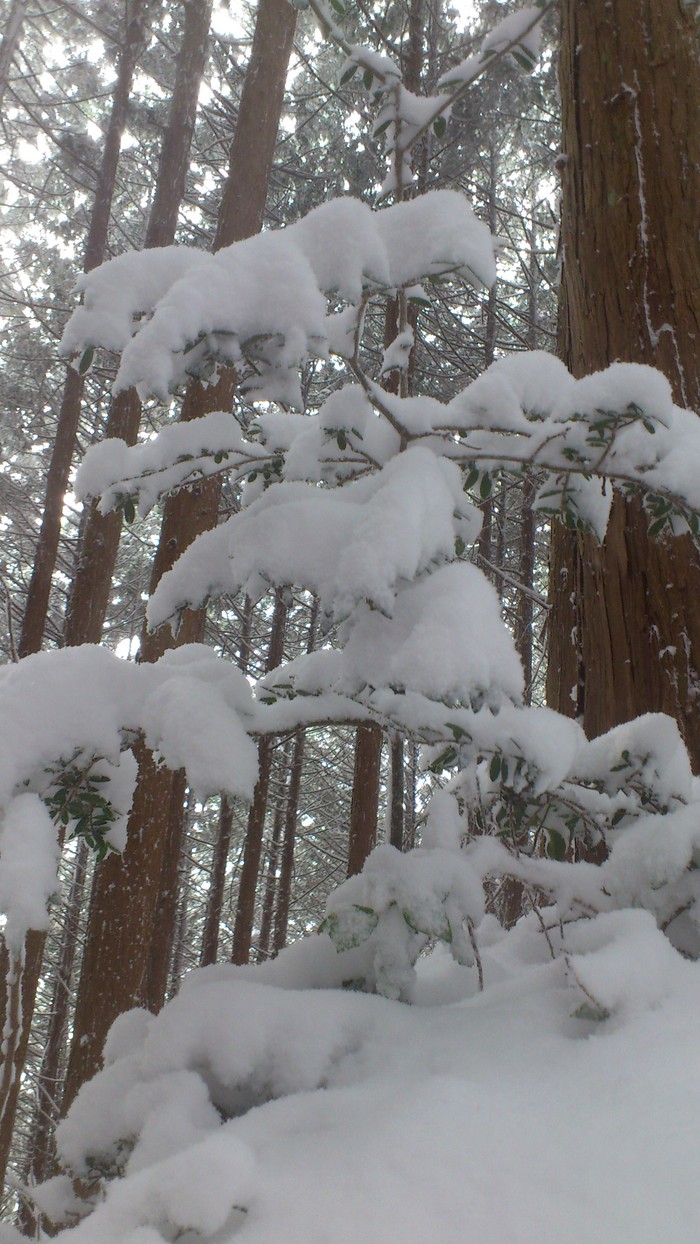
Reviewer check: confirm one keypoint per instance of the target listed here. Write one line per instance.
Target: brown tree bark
(121, 912)
(38, 594)
(398, 782)
(365, 796)
(625, 628)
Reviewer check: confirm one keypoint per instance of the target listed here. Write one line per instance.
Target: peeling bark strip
(625, 625)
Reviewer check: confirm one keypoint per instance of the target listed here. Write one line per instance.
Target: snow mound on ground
(382, 1122)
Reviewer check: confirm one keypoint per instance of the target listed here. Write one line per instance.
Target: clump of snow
(442, 1087)
(28, 864)
(345, 545)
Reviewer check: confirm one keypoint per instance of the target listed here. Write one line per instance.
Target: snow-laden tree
(366, 503)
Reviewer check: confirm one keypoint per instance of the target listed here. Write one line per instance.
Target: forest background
(138, 125)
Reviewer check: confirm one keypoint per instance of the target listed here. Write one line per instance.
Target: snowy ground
(494, 1118)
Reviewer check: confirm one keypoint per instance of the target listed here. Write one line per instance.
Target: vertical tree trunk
(100, 533)
(10, 40)
(48, 1096)
(365, 796)
(273, 860)
(215, 897)
(526, 567)
(396, 825)
(284, 889)
(37, 605)
(245, 910)
(122, 908)
(630, 86)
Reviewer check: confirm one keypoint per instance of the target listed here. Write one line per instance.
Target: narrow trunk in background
(10, 41)
(245, 909)
(284, 889)
(630, 88)
(215, 897)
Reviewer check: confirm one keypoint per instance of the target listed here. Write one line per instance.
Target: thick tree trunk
(129, 890)
(630, 85)
(38, 594)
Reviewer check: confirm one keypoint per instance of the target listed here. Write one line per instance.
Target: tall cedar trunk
(273, 858)
(364, 806)
(46, 551)
(42, 1152)
(526, 566)
(284, 889)
(396, 812)
(485, 541)
(215, 897)
(36, 609)
(291, 815)
(365, 796)
(123, 911)
(245, 909)
(630, 86)
(100, 533)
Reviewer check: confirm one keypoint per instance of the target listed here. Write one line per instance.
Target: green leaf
(657, 526)
(485, 487)
(495, 768)
(524, 59)
(382, 127)
(129, 510)
(342, 440)
(418, 301)
(348, 73)
(368, 79)
(86, 361)
(471, 479)
(439, 126)
(339, 7)
(556, 845)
